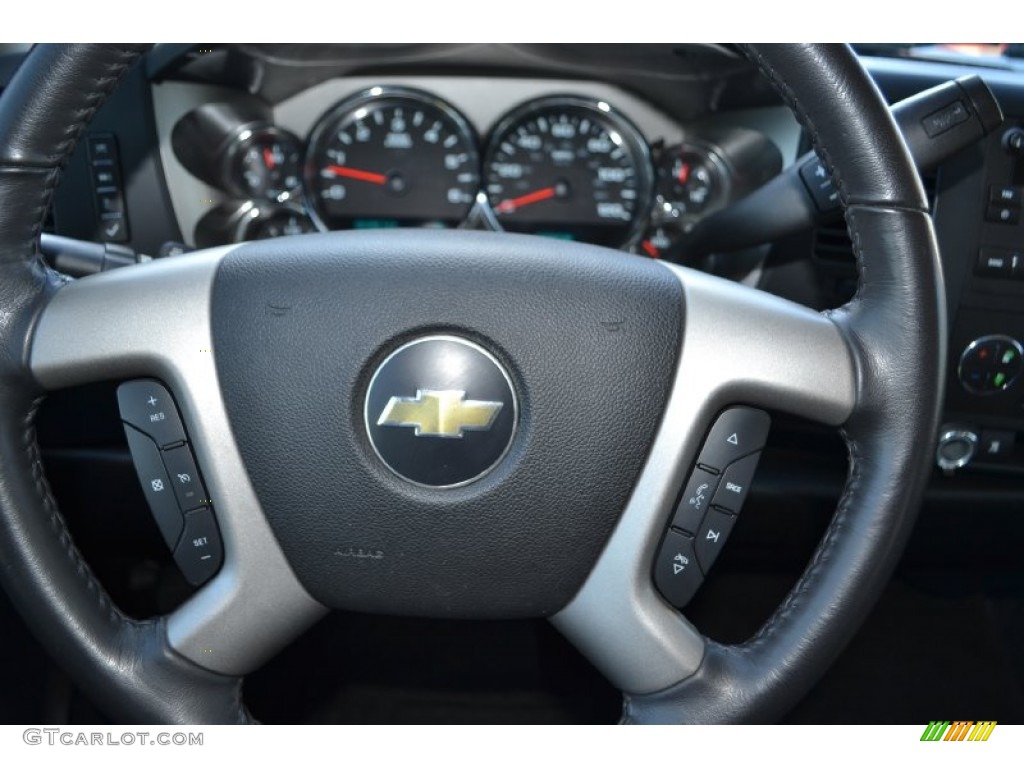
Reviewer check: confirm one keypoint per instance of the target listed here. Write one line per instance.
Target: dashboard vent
(832, 242)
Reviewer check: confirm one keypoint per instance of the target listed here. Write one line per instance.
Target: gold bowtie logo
(439, 413)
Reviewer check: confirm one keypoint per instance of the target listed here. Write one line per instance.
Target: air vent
(832, 242)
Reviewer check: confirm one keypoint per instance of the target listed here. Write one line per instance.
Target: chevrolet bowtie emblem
(439, 413)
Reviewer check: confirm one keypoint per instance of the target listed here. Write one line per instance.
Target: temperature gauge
(692, 181)
(265, 164)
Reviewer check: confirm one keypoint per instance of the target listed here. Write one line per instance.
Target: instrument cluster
(564, 166)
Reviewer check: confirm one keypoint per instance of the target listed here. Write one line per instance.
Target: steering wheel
(605, 372)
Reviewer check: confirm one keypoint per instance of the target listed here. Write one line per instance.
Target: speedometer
(392, 157)
(569, 167)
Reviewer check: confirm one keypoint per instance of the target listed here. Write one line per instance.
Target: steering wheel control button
(818, 181)
(156, 485)
(440, 411)
(199, 553)
(736, 479)
(181, 468)
(694, 502)
(148, 406)
(712, 535)
(738, 432)
(676, 573)
(990, 364)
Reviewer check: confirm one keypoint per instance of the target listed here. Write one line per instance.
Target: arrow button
(676, 573)
(712, 535)
(738, 432)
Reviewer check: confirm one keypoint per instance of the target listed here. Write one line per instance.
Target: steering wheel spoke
(154, 320)
(739, 347)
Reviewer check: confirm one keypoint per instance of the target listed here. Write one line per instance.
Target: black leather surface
(589, 336)
(125, 665)
(896, 327)
(843, 113)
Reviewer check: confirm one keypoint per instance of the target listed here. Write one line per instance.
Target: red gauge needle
(508, 206)
(355, 173)
(684, 173)
(650, 249)
(268, 158)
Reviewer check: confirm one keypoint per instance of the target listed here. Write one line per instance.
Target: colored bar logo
(959, 730)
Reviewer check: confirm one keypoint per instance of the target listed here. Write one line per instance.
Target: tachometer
(569, 167)
(392, 157)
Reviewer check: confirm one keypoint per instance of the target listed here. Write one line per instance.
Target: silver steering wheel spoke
(740, 346)
(154, 320)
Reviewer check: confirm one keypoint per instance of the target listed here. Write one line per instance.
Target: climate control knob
(990, 364)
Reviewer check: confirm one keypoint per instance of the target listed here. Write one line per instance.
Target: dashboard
(579, 160)
(631, 147)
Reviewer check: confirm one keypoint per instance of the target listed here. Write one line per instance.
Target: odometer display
(392, 157)
(569, 167)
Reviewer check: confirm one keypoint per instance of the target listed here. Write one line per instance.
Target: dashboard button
(736, 479)
(156, 486)
(147, 405)
(738, 432)
(994, 262)
(955, 449)
(181, 468)
(1002, 214)
(1000, 195)
(676, 573)
(711, 537)
(102, 148)
(995, 444)
(199, 554)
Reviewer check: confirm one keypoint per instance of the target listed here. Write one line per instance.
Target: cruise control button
(148, 406)
(676, 573)
(737, 433)
(155, 485)
(181, 468)
(199, 554)
(695, 500)
(732, 491)
(712, 535)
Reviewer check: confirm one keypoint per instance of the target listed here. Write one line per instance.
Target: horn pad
(443, 423)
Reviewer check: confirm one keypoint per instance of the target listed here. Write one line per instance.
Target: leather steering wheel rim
(895, 320)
